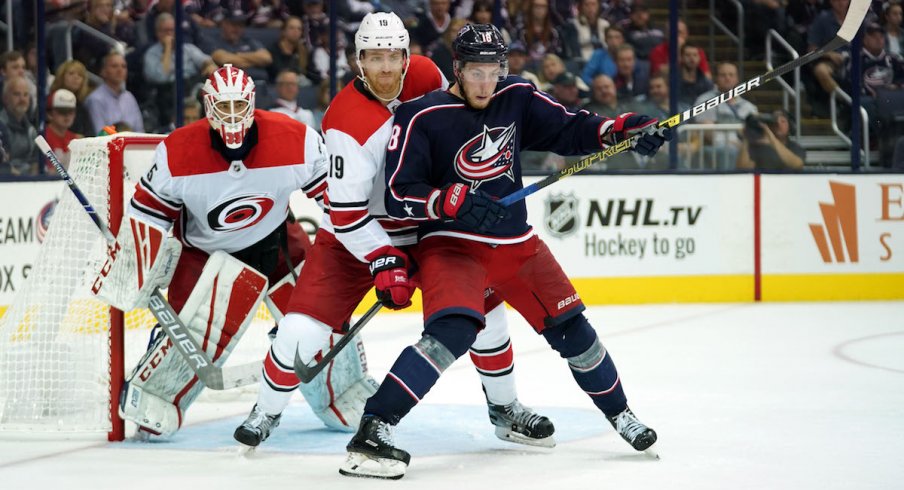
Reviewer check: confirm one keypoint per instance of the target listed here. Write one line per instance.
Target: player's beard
(472, 101)
(385, 86)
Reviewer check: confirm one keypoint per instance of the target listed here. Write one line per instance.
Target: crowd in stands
(606, 56)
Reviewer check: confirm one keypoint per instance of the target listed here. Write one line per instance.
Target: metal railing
(737, 38)
(833, 111)
(119, 46)
(787, 90)
(697, 153)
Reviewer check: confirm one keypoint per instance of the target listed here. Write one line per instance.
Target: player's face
(231, 111)
(383, 69)
(478, 82)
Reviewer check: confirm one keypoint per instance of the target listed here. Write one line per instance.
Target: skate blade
(362, 466)
(652, 452)
(509, 435)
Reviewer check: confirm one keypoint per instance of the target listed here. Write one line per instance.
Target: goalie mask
(382, 31)
(229, 103)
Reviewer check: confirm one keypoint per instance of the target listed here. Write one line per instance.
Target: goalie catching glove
(389, 268)
(629, 124)
(142, 259)
(473, 208)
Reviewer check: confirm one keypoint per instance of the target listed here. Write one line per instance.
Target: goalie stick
(855, 15)
(212, 376)
(307, 373)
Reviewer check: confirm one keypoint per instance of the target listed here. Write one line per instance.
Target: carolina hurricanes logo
(487, 156)
(239, 213)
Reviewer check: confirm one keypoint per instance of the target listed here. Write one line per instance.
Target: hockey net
(63, 354)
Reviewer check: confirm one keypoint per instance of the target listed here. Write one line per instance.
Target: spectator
(801, 14)
(60, 116)
(565, 90)
(640, 33)
(5, 168)
(160, 58)
(553, 66)
(604, 98)
(23, 153)
(31, 68)
(111, 103)
(323, 101)
(442, 49)
(538, 33)
(769, 146)
(290, 51)
(586, 32)
(722, 147)
(315, 21)
(265, 14)
(12, 65)
(351, 58)
(617, 11)
(87, 47)
(287, 98)
(602, 60)
(659, 56)
(828, 67)
(319, 68)
(191, 111)
(657, 104)
(232, 46)
(632, 78)
(73, 76)
(693, 82)
(891, 22)
(517, 61)
(432, 24)
(189, 26)
(764, 15)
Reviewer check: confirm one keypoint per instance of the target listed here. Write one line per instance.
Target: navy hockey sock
(591, 366)
(419, 366)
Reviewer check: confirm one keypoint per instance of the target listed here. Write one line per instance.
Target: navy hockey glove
(389, 268)
(629, 124)
(475, 209)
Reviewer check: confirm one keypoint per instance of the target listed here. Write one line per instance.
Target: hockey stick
(855, 15)
(307, 373)
(212, 376)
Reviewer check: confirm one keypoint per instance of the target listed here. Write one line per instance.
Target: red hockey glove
(475, 209)
(629, 124)
(389, 268)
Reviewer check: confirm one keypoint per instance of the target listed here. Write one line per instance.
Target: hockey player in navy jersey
(450, 154)
(356, 235)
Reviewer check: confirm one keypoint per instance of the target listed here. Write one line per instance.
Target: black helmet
(482, 43)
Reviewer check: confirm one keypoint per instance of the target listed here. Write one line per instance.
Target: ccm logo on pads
(574, 298)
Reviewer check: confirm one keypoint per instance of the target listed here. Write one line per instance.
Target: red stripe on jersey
(241, 302)
(390, 224)
(317, 191)
(151, 201)
(497, 361)
(213, 302)
(277, 376)
(281, 142)
(341, 217)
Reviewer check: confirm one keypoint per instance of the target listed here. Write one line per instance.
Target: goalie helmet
(229, 104)
(480, 43)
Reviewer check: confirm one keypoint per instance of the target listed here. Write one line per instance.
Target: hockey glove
(629, 124)
(475, 209)
(389, 268)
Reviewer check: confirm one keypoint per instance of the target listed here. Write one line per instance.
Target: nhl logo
(562, 217)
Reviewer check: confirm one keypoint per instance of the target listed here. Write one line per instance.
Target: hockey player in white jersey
(355, 234)
(224, 182)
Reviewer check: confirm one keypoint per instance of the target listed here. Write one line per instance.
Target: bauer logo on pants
(562, 218)
(238, 213)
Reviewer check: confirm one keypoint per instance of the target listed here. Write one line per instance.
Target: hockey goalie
(208, 222)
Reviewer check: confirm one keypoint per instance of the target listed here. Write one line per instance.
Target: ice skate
(638, 435)
(372, 454)
(256, 428)
(519, 424)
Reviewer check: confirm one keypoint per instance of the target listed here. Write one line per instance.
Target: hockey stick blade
(852, 21)
(307, 373)
(212, 376)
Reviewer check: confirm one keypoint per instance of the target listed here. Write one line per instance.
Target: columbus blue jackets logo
(43, 221)
(238, 213)
(487, 156)
(562, 217)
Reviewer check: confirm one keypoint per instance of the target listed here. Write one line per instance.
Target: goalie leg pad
(338, 393)
(217, 313)
(142, 259)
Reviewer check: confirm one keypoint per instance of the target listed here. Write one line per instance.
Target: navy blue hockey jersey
(437, 140)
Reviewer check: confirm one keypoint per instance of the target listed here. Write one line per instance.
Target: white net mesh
(54, 338)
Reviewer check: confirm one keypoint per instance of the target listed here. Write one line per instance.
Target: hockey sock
(278, 384)
(591, 366)
(419, 366)
(492, 355)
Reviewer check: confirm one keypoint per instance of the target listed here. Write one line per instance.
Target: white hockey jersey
(357, 128)
(229, 206)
